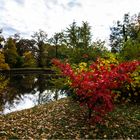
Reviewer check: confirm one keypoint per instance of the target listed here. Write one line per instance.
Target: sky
(28, 16)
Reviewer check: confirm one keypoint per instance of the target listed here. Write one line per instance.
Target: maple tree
(94, 87)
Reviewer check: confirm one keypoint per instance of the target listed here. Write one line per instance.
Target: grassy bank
(66, 119)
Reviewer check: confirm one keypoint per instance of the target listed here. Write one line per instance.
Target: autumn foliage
(94, 87)
(3, 65)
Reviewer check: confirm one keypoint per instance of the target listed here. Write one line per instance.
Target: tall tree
(1, 39)
(40, 38)
(72, 35)
(57, 40)
(24, 45)
(116, 37)
(131, 50)
(85, 35)
(128, 28)
(10, 52)
(78, 36)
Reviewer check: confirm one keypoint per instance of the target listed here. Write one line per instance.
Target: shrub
(94, 86)
(131, 91)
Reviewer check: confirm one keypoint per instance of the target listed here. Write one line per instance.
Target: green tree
(72, 35)
(116, 37)
(78, 36)
(40, 38)
(57, 41)
(78, 41)
(85, 35)
(131, 50)
(122, 31)
(131, 46)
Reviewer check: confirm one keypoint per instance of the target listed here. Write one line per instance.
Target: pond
(22, 91)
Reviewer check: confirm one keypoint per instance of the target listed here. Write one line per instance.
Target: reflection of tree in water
(22, 84)
(17, 86)
(3, 89)
(47, 88)
(42, 87)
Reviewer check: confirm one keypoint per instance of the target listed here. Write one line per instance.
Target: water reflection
(22, 91)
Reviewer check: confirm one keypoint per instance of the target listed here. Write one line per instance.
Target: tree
(124, 30)
(3, 65)
(96, 50)
(29, 60)
(116, 37)
(10, 52)
(24, 45)
(78, 40)
(131, 50)
(57, 41)
(1, 39)
(85, 35)
(94, 86)
(78, 37)
(72, 35)
(135, 35)
(43, 55)
(131, 45)
(40, 38)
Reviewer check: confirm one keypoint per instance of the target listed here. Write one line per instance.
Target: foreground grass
(66, 119)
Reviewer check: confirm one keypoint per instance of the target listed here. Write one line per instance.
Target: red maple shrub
(94, 87)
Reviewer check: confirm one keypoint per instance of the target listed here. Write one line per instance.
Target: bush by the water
(94, 86)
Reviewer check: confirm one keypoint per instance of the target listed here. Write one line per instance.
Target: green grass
(65, 119)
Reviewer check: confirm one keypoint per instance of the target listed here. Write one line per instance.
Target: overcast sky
(28, 16)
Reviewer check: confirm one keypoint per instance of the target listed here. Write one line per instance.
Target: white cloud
(52, 16)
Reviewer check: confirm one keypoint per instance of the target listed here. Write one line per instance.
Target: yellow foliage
(3, 83)
(80, 67)
(3, 65)
(136, 78)
(27, 54)
(29, 60)
(131, 91)
(109, 59)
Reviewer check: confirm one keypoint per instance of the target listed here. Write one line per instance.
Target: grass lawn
(65, 119)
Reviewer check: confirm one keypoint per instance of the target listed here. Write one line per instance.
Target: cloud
(21, 2)
(74, 4)
(50, 3)
(28, 16)
(10, 30)
(2, 4)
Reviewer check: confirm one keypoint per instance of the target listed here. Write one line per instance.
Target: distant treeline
(74, 44)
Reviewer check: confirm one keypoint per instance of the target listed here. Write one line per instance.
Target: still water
(18, 92)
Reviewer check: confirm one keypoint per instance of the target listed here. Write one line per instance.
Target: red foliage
(85, 55)
(94, 87)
